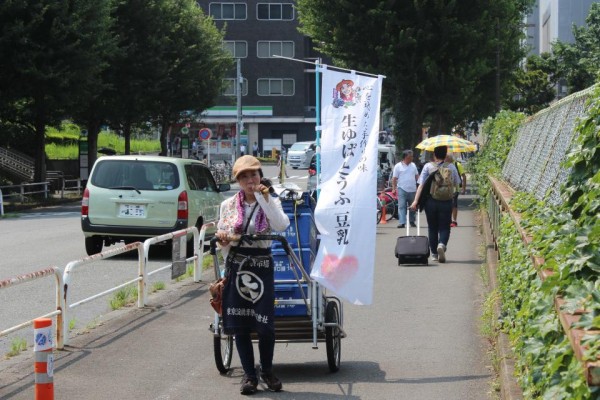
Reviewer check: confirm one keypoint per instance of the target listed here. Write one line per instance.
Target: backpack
(442, 186)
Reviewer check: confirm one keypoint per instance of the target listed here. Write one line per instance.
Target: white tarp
(346, 210)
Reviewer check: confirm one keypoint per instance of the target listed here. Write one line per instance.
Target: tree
(194, 63)
(51, 59)
(170, 60)
(533, 88)
(442, 59)
(578, 63)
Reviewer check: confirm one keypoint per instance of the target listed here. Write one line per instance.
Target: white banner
(347, 207)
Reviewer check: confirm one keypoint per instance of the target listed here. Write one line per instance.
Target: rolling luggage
(412, 249)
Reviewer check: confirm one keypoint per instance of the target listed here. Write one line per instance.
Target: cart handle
(248, 238)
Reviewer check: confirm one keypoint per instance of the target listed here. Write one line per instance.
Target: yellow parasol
(455, 144)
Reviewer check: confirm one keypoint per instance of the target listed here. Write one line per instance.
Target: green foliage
(500, 133)
(532, 90)
(568, 238)
(65, 148)
(51, 59)
(439, 57)
(578, 63)
(17, 345)
(123, 297)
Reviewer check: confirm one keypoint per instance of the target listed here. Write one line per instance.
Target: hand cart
(304, 313)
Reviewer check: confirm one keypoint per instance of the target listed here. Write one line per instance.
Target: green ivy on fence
(567, 236)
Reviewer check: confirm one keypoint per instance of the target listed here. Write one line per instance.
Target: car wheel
(93, 245)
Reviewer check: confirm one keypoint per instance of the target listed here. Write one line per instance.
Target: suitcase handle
(408, 222)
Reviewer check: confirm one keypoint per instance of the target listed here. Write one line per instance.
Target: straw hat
(245, 163)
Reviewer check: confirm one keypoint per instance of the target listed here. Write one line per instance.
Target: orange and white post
(383, 214)
(44, 359)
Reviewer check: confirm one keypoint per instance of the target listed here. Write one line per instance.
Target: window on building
(275, 87)
(267, 49)
(227, 10)
(229, 87)
(275, 11)
(238, 49)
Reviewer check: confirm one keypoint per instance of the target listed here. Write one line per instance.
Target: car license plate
(132, 210)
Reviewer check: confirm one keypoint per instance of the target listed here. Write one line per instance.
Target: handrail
(87, 260)
(22, 193)
(64, 279)
(18, 163)
(503, 194)
(59, 296)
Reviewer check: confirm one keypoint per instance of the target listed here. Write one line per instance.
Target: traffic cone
(383, 218)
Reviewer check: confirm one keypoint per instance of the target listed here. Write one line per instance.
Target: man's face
(408, 159)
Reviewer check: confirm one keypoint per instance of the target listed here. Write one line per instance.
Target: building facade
(278, 94)
(552, 20)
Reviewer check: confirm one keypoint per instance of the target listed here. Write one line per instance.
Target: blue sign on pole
(205, 133)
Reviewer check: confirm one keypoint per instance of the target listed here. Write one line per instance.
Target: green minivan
(131, 198)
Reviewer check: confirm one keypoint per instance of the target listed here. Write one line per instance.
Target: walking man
(404, 185)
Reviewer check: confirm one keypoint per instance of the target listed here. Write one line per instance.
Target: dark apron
(249, 295)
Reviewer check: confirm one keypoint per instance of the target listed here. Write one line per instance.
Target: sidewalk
(165, 351)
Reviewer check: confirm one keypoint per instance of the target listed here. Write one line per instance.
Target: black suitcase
(412, 249)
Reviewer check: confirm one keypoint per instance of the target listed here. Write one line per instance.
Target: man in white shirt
(404, 184)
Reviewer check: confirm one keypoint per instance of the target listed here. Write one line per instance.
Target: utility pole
(240, 123)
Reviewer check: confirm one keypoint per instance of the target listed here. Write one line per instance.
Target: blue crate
(290, 292)
(281, 262)
(306, 231)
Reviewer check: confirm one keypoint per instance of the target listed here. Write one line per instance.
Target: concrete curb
(509, 388)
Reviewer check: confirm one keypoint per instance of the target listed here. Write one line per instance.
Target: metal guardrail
(59, 299)
(24, 189)
(64, 279)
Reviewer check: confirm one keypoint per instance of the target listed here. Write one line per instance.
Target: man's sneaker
(248, 385)
(413, 225)
(441, 249)
(273, 383)
(434, 257)
(401, 226)
(453, 224)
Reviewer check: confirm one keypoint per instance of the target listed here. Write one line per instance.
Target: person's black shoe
(273, 383)
(401, 226)
(413, 225)
(248, 385)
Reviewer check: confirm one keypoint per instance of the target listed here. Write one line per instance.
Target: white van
(130, 198)
(300, 154)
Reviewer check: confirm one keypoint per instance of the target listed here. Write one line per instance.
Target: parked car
(131, 198)
(300, 154)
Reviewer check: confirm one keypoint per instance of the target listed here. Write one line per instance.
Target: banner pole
(318, 123)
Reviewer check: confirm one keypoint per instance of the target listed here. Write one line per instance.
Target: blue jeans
(439, 216)
(405, 199)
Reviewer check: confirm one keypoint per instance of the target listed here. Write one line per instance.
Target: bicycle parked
(386, 198)
(221, 170)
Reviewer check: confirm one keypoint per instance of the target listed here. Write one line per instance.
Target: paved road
(419, 340)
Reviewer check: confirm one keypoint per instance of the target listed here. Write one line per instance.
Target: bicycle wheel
(390, 205)
(333, 338)
(379, 211)
(223, 349)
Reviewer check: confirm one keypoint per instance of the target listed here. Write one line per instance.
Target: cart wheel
(223, 347)
(333, 341)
